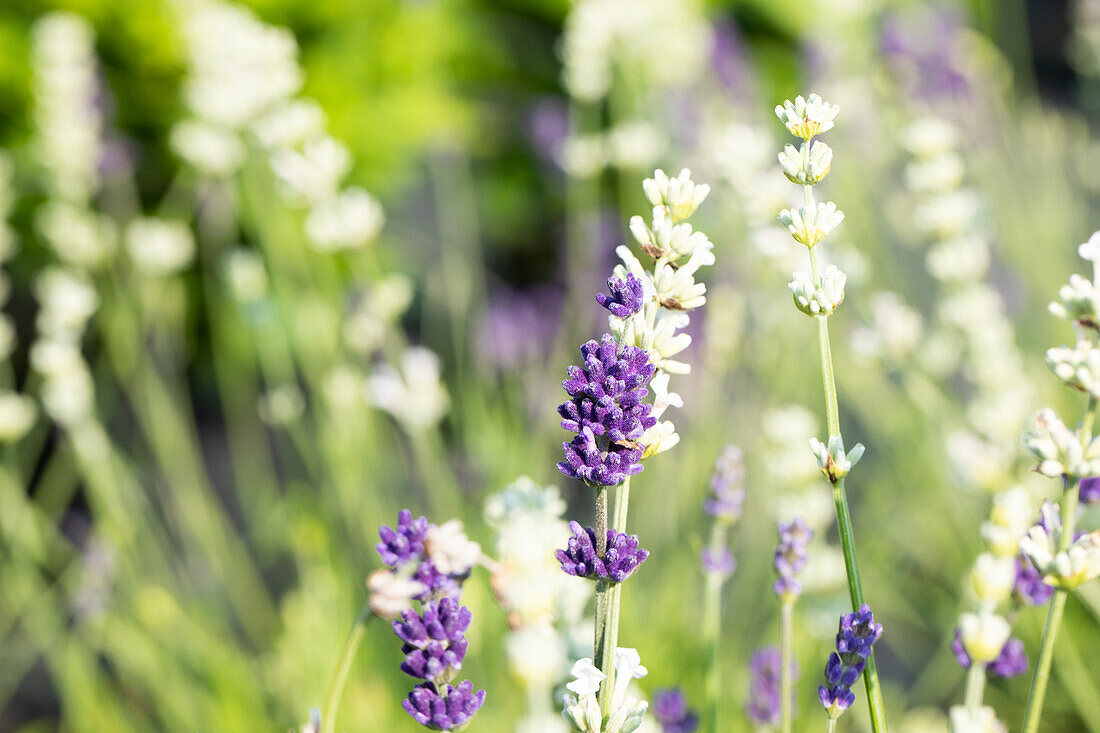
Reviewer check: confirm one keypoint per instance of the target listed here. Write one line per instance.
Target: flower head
(810, 224)
(1078, 367)
(807, 117)
(820, 297)
(1029, 586)
(404, 543)
(857, 634)
(1066, 569)
(608, 391)
(1010, 662)
(833, 461)
(627, 296)
(444, 707)
(728, 485)
(580, 558)
(671, 711)
(983, 635)
(810, 171)
(680, 196)
(450, 550)
(670, 241)
(434, 640)
(390, 593)
(1059, 450)
(763, 704)
(1078, 301)
(791, 557)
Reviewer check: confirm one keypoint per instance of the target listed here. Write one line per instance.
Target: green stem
(1057, 605)
(340, 674)
(830, 725)
(877, 707)
(786, 686)
(613, 601)
(599, 646)
(975, 686)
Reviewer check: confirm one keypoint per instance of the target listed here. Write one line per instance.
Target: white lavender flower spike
(807, 117)
(679, 196)
(810, 170)
(819, 298)
(1077, 564)
(676, 287)
(1078, 367)
(833, 461)
(993, 578)
(810, 224)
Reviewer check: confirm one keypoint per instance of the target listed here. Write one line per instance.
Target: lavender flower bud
(1030, 586)
(627, 296)
(791, 557)
(727, 483)
(445, 707)
(435, 644)
(608, 391)
(857, 634)
(671, 710)
(622, 558)
(718, 562)
(405, 543)
(584, 460)
(1089, 490)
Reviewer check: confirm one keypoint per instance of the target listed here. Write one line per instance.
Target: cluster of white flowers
(1078, 366)
(1068, 568)
(160, 248)
(243, 76)
(807, 117)
(670, 290)
(1059, 449)
(544, 605)
(414, 396)
(833, 460)
(68, 122)
(663, 42)
(975, 720)
(625, 712)
(1079, 301)
(820, 297)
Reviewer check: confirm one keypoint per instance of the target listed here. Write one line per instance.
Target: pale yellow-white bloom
(820, 297)
(350, 220)
(983, 635)
(680, 196)
(158, 247)
(1066, 569)
(810, 224)
(980, 720)
(211, 150)
(389, 594)
(807, 117)
(993, 578)
(450, 550)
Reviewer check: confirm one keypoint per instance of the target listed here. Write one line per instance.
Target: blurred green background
(187, 550)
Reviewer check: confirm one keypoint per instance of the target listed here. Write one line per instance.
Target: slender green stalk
(830, 725)
(975, 687)
(1057, 605)
(840, 500)
(712, 626)
(599, 646)
(340, 674)
(786, 685)
(613, 602)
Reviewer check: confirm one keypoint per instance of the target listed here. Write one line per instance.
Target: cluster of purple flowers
(791, 556)
(627, 296)
(580, 558)
(1012, 660)
(857, 634)
(402, 550)
(433, 639)
(607, 411)
(765, 671)
(443, 707)
(671, 710)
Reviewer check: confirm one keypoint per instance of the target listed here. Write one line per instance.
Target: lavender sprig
(857, 634)
(791, 557)
(627, 296)
(764, 702)
(434, 641)
(445, 707)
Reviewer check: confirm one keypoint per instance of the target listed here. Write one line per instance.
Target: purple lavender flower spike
(405, 543)
(434, 641)
(791, 556)
(727, 483)
(718, 562)
(627, 296)
(1030, 587)
(444, 707)
(765, 670)
(608, 391)
(580, 558)
(857, 634)
(1089, 490)
(672, 712)
(1011, 662)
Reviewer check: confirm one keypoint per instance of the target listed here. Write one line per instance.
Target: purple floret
(405, 543)
(765, 671)
(587, 461)
(671, 711)
(443, 708)
(608, 391)
(434, 641)
(627, 296)
(718, 561)
(1089, 490)
(580, 558)
(1030, 587)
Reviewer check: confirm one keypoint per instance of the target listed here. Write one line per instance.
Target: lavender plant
(790, 559)
(1064, 559)
(857, 634)
(818, 295)
(617, 429)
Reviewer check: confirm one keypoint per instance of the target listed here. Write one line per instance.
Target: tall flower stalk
(617, 429)
(818, 295)
(1063, 560)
